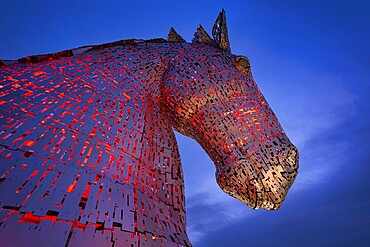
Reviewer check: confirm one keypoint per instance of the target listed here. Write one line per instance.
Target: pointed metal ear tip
(219, 31)
(222, 13)
(173, 36)
(202, 37)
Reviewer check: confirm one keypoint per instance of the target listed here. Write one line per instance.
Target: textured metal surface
(87, 148)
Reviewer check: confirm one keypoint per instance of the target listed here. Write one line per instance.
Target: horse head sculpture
(219, 105)
(88, 151)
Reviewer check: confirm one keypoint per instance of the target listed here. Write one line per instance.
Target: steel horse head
(218, 104)
(88, 151)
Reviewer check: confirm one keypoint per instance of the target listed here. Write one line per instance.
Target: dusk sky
(311, 60)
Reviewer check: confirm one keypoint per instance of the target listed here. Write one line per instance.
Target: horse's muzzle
(260, 185)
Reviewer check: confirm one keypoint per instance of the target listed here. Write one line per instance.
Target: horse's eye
(244, 62)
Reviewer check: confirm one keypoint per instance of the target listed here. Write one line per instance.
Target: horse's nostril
(291, 161)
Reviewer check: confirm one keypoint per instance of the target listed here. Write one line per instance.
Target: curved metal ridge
(78, 50)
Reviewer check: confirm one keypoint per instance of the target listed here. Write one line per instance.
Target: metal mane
(79, 50)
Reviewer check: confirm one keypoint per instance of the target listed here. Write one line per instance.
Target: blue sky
(312, 63)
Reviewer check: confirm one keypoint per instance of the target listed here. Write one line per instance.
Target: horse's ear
(202, 37)
(219, 32)
(173, 36)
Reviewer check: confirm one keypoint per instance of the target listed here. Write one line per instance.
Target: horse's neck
(100, 139)
(148, 140)
(141, 72)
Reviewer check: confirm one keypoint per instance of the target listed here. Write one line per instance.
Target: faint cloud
(209, 212)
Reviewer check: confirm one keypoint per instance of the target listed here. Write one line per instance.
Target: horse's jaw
(259, 186)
